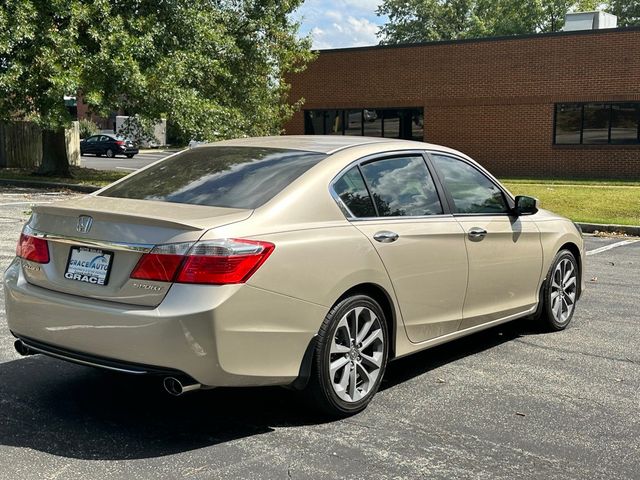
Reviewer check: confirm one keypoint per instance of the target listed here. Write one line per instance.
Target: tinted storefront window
(597, 123)
(405, 123)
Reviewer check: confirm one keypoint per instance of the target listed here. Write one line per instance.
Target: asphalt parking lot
(123, 164)
(509, 402)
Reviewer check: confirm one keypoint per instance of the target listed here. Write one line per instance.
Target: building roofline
(603, 31)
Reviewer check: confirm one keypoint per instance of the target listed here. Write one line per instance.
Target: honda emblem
(84, 223)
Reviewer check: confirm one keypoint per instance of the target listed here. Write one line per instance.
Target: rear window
(233, 177)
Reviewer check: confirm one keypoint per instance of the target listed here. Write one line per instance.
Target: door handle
(477, 233)
(385, 236)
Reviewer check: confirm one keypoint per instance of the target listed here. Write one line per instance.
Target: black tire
(109, 153)
(320, 389)
(554, 319)
(130, 155)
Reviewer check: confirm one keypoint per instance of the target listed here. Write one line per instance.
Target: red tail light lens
(119, 142)
(33, 249)
(216, 262)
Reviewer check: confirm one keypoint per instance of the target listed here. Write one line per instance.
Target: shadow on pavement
(77, 412)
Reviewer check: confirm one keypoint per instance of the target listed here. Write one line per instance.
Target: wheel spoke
(364, 375)
(344, 324)
(569, 283)
(570, 298)
(375, 335)
(352, 384)
(344, 379)
(365, 329)
(337, 365)
(338, 348)
(373, 360)
(557, 308)
(568, 273)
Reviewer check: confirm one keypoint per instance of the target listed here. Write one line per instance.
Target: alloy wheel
(357, 354)
(564, 285)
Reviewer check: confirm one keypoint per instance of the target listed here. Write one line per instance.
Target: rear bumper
(128, 151)
(232, 335)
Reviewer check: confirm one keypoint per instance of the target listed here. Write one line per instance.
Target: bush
(87, 128)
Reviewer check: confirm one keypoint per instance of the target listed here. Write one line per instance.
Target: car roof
(327, 144)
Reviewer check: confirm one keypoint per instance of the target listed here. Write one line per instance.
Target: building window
(597, 123)
(405, 123)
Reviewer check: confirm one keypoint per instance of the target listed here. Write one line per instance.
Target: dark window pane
(417, 125)
(402, 186)
(353, 122)
(372, 123)
(471, 190)
(353, 192)
(392, 120)
(314, 122)
(595, 127)
(333, 122)
(624, 123)
(568, 123)
(234, 177)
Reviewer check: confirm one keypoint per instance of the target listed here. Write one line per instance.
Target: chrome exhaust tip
(175, 387)
(22, 349)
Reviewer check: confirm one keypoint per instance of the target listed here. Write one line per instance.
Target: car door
(395, 203)
(504, 250)
(90, 144)
(104, 144)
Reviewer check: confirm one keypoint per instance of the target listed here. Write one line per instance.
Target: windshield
(233, 177)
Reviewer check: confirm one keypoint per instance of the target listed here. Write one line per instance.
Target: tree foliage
(215, 68)
(427, 20)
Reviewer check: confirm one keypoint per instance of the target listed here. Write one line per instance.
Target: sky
(340, 23)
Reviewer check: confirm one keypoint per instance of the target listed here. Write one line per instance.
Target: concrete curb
(600, 227)
(49, 185)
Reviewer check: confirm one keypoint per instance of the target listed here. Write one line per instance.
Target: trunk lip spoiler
(103, 244)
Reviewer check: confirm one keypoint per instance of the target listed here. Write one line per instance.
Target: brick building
(554, 105)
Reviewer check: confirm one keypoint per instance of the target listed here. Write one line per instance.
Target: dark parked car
(108, 145)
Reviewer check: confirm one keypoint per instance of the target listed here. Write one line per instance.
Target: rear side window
(233, 177)
(402, 186)
(353, 192)
(471, 190)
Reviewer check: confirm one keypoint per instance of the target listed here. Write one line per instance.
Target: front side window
(402, 186)
(471, 190)
(353, 192)
(232, 177)
(92, 139)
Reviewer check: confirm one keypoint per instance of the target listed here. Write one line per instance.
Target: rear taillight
(33, 249)
(119, 142)
(212, 261)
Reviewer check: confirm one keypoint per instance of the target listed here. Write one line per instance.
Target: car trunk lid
(114, 233)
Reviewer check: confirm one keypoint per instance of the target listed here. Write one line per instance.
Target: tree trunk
(55, 161)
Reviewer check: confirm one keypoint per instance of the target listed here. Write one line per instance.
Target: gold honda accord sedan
(304, 261)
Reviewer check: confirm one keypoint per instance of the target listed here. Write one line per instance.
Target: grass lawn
(590, 201)
(81, 176)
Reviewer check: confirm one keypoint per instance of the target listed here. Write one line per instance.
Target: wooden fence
(21, 145)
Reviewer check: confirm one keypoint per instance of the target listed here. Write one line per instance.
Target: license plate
(89, 265)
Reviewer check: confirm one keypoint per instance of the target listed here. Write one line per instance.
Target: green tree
(627, 11)
(427, 20)
(214, 68)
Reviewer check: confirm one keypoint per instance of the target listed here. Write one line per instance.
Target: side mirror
(526, 205)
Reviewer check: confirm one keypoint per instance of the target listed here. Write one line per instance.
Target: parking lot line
(613, 245)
